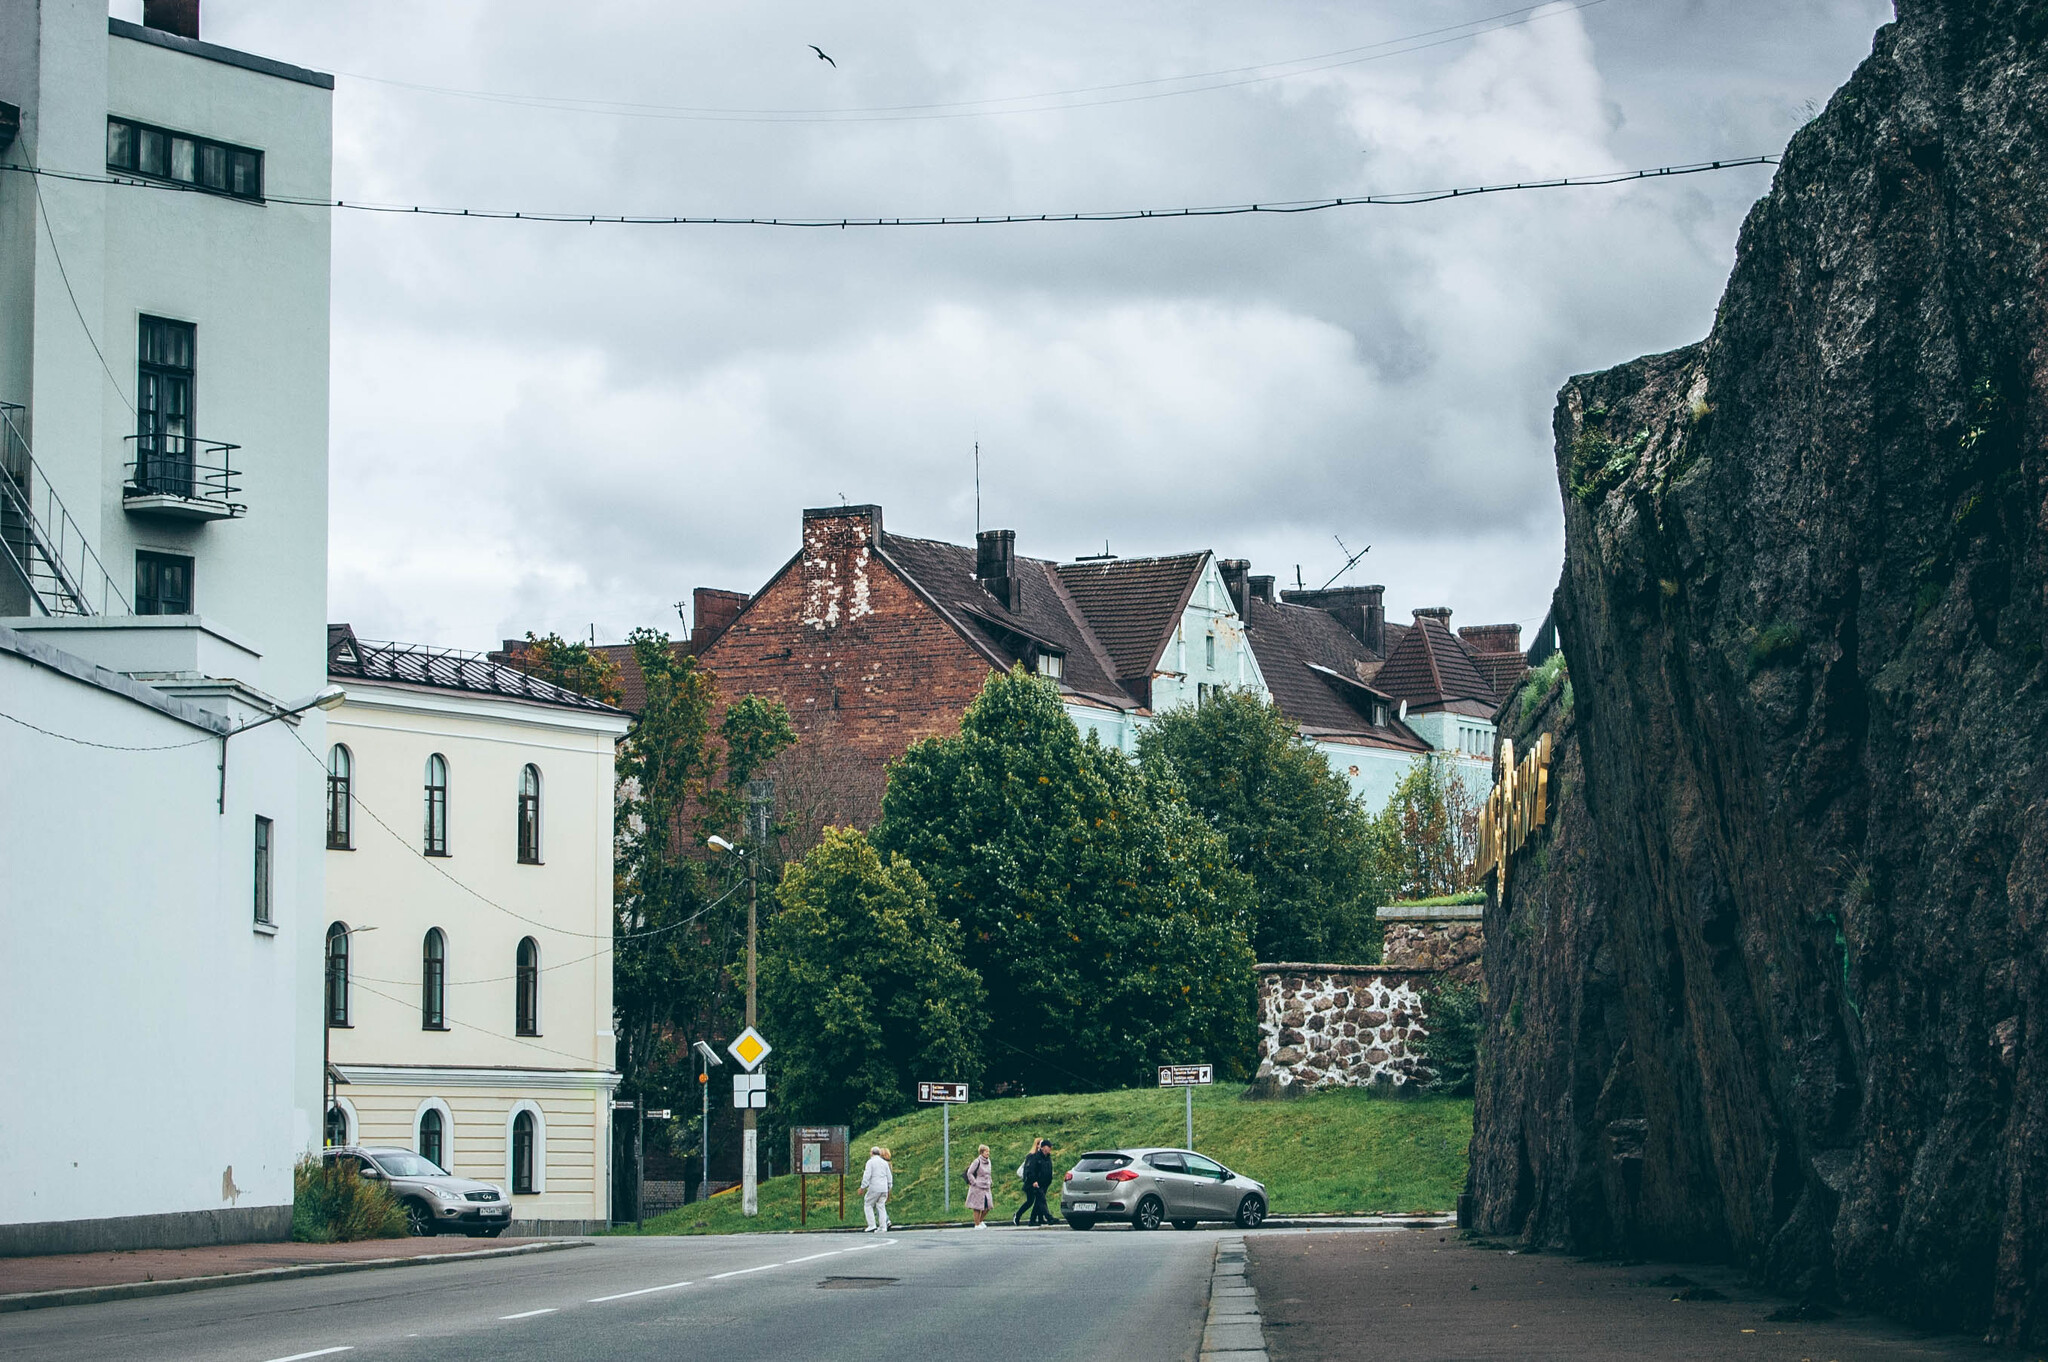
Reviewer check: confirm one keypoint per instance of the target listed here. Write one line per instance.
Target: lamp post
(328, 697)
(707, 1061)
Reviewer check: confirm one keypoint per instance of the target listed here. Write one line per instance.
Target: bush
(1451, 1049)
(331, 1204)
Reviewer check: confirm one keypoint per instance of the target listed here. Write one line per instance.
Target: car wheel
(1081, 1222)
(1251, 1212)
(1148, 1215)
(1185, 1224)
(418, 1219)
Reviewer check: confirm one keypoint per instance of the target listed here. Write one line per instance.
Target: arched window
(529, 814)
(434, 981)
(337, 1125)
(528, 973)
(432, 1137)
(337, 975)
(522, 1154)
(437, 805)
(340, 767)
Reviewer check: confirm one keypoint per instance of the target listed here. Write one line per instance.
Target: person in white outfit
(875, 1181)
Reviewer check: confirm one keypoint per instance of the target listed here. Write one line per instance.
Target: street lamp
(327, 697)
(708, 1060)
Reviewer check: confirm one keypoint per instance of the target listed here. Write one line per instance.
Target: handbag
(1020, 1172)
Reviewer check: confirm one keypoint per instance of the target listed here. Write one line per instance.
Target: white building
(469, 897)
(163, 547)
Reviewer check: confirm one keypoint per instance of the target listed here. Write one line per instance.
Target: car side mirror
(369, 1172)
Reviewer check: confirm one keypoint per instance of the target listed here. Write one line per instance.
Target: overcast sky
(558, 427)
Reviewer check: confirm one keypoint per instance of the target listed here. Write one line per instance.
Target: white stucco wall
(389, 896)
(151, 1028)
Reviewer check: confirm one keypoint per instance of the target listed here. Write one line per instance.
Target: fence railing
(41, 547)
(183, 475)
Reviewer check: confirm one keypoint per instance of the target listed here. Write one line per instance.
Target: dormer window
(1051, 664)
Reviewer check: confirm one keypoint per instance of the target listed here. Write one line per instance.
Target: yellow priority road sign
(749, 1049)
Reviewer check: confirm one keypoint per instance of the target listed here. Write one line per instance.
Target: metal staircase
(47, 566)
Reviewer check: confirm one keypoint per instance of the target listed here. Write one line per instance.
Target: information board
(1186, 1075)
(942, 1092)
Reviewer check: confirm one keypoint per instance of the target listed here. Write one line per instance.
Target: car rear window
(1101, 1163)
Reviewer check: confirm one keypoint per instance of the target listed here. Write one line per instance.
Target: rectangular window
(159, 154)
(163, 584)
(262, 891)
(1211, 647)
(1052, 664)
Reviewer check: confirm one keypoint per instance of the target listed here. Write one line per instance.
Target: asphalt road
(958, 1295)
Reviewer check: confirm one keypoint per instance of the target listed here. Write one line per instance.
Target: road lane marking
(643, 1291)
(529, 1314)
(317, 1352)
(743, 1271)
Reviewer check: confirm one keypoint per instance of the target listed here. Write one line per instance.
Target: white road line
(529, 1314)
(317, 1352)
(643, 1291)
(743, 1271)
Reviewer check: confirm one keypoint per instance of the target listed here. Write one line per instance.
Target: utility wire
(583, 1061)
(109, 746)
(1382, 200)
(1260, 73)
(50, 230)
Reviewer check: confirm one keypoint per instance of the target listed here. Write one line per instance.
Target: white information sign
(750, 1090)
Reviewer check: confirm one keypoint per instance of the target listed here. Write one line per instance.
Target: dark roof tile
(1133, 604)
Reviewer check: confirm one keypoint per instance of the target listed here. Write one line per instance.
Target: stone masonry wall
(1450, 939)
(1340, 1026)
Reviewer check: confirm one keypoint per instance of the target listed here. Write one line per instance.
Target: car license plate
(1084, 1205)
(494, 1210)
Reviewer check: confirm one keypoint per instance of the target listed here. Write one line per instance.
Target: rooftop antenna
(1299, 585)
(593, 634)
(977, 487)
(1349, 563)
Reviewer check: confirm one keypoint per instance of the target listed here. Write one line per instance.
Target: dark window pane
(213, 165)
(262, 870)
(337, 976)
(163, 584)
(154, 157)
(248, 174)
(120, 145)
(184, 159)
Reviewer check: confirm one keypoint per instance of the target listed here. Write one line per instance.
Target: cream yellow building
(469, 904)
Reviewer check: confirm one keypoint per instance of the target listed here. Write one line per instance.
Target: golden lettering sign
(1518, 805)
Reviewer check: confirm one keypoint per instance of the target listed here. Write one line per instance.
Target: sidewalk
(1427, 1294)
(84, 1278)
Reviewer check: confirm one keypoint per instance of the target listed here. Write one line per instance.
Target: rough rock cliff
(1774, 984)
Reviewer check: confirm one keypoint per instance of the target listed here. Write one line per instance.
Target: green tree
(1103, 915)
(1291, 822)
(1429, 831)
(572, 666)
(862, 981)
(678, 963)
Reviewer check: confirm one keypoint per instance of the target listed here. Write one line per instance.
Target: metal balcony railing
(183, 477)
(47, 566)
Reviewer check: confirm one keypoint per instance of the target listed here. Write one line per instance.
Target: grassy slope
(1335, 1151)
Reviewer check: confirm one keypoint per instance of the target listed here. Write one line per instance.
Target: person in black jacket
(1037, 1178)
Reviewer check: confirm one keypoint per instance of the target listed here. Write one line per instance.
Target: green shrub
(330, 1204)
(1537, 688)
(1451, 1012)
(1463, 900)
(1599, 462)
(1773, 646)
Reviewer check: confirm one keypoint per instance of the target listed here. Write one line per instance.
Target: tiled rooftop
(413, 664)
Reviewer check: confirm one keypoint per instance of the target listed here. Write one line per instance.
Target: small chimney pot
(995, 562)
(172, 16)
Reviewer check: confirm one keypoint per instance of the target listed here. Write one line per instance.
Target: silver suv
(1150, 1186)
(433, 1199)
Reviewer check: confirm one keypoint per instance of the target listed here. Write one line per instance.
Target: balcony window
(166, 354)
(163, 584)
(182, 158)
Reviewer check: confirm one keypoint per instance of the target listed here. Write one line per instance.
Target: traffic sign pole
(1191, 1116)
(946, 1126)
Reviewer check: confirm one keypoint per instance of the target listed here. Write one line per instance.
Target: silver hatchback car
(1151, 1186)
(434, 1199)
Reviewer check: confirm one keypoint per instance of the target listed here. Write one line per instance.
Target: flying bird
(822, 57)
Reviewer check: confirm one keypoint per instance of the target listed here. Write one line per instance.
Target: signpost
(750, 1089)
(945, 1094)
(817, 1151)
(1187, 1077)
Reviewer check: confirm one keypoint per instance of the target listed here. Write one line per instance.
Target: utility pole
(759, 794)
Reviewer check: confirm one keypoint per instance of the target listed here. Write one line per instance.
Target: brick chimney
(1236, 573)
(1493, 638)
(995, 565)
(1374, 633)
(1262, 589)
(712, 612)
(1358, 608)
(839, 544)
(172, 16)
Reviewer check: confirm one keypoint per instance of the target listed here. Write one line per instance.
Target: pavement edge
(1235, 1332)
(173, 1286)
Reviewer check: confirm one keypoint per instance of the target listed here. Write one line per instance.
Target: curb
(173, 1286)
(1234, 1331)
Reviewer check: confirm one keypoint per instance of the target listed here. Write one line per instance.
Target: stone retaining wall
(1340, 1026)
(1450, 938)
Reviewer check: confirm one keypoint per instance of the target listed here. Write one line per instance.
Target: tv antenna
(1350, 562)
(977, 487)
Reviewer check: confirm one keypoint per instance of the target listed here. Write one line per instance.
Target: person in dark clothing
(1037, 1178)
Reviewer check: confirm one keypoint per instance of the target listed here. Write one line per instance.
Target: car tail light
(1123, 1175)
(1068, 1178)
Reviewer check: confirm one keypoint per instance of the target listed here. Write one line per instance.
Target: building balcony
(178, 477)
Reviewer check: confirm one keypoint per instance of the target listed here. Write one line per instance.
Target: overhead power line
(1286, 206)
(1080, 97)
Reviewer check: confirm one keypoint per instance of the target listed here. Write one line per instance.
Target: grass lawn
(1345, 1150)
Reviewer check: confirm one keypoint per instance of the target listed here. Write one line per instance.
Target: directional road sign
(1186, 1075)
(659, 1114)
(942, 1092)
(750, 1090)
(749, 1049)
